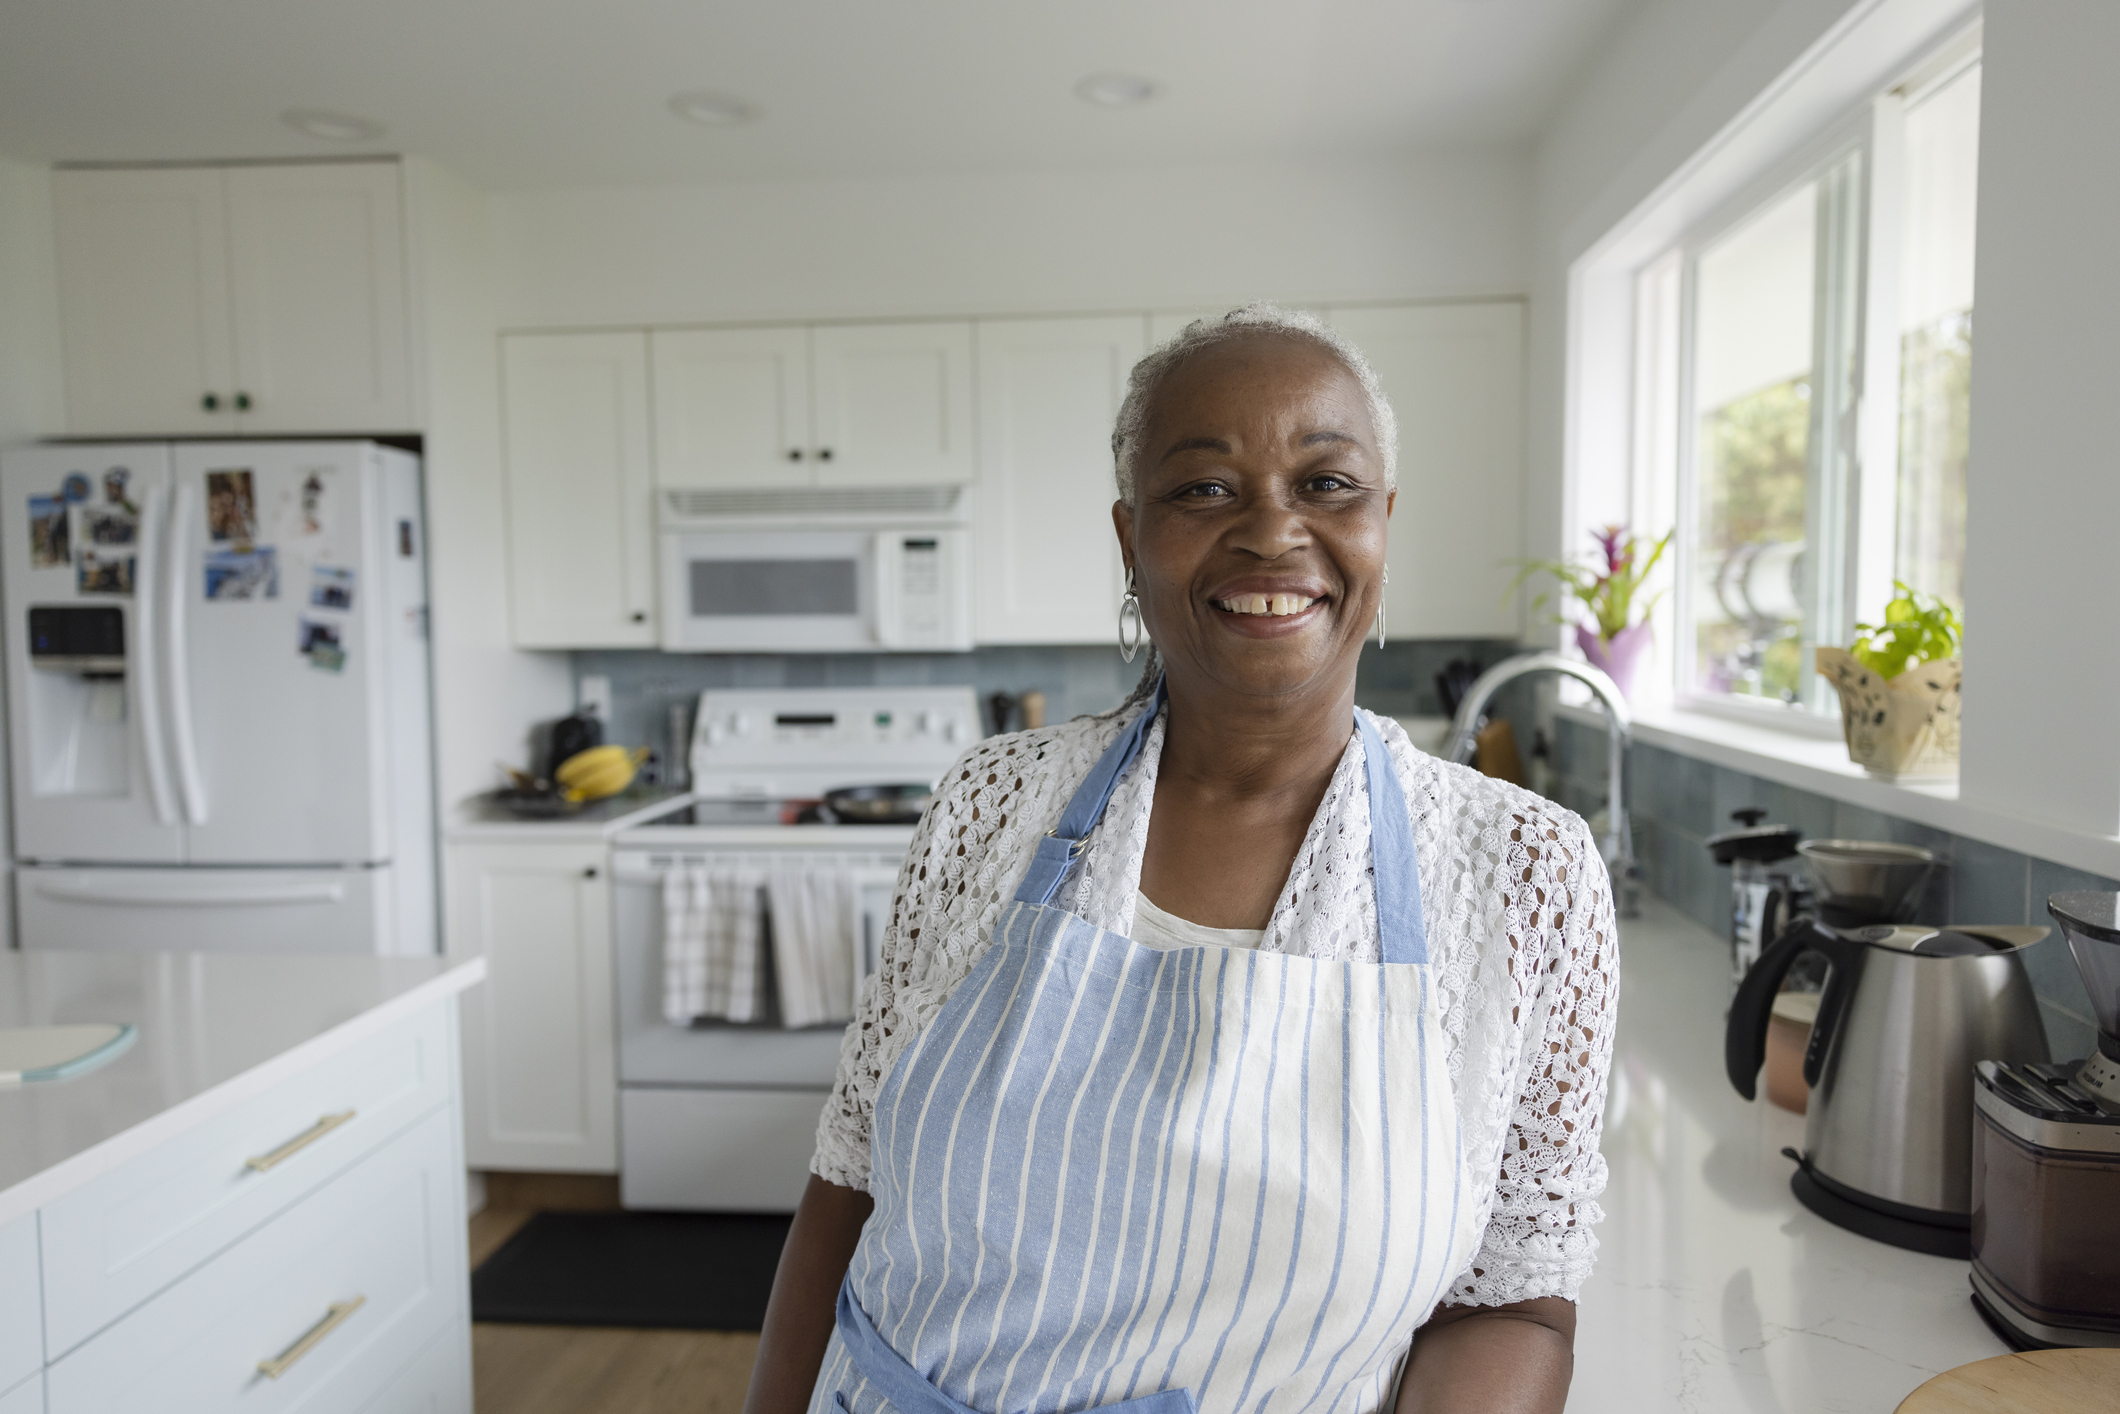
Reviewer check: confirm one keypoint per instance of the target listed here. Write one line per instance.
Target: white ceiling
(531, 93)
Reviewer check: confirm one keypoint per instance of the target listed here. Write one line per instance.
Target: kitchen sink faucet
(1616, 844)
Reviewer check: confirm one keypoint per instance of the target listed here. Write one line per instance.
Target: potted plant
(1618, 631)
(1898, 686)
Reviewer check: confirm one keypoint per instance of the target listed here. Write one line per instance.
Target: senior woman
(1225, 1047)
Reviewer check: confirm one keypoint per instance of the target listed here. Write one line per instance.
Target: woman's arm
(805, 1287)
(1513, 1359)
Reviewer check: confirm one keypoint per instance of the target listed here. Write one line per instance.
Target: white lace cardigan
(1519, 918)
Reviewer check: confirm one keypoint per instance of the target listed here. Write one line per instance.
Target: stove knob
(740, 723)
(953, 731)
(927, 723)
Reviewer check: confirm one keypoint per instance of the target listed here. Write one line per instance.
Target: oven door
(773, 590)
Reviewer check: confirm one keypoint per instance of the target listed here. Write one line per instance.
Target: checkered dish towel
(713, 949)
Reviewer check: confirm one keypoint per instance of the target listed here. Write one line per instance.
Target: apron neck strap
(1401, 931)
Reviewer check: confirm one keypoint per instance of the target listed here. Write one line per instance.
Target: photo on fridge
(108, 525)
(243, 574)
(231, 507)
(331, 587)
(321, 645)
(102, 572)
(50, 544)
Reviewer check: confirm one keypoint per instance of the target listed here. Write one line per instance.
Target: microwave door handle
(890, 575)
(146, 658)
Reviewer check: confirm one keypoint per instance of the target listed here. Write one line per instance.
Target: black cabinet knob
(590, 872)
(639, 617)
(824, 454)
(242, 402)
(210, 403)
(794, 454)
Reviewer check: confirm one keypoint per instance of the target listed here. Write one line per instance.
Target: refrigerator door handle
(146, 661)
(189, 778)
(186, 891)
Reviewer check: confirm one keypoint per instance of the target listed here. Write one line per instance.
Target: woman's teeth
(1278, 605)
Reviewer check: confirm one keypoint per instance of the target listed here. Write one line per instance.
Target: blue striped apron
(1200, 1179)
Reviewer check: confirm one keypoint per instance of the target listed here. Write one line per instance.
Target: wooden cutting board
(2035, 1382)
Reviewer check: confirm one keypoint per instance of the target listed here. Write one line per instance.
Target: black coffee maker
(1767, 885)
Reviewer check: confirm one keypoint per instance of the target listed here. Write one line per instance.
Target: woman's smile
(1268, 606)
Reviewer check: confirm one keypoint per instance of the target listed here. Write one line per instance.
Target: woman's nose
(1269, 528)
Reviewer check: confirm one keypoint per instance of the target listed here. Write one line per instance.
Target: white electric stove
(720, 1116)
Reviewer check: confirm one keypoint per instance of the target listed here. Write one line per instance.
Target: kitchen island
(265, 1190)
(1715, 1289)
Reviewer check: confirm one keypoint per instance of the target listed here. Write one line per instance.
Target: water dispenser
(78, 713)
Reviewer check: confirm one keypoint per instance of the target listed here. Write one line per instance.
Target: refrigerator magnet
(321, 645)
(114, 483)
(108, 525)
(50, 544)
(243, 574)
(75, 487)
(231, 507)
(103, 572)
(331, 587)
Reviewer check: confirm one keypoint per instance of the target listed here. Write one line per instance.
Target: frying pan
(878, 805)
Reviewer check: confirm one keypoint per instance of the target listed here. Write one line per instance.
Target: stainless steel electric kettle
(1906, 1012)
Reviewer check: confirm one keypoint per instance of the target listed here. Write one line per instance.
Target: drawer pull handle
(297, 1144)
(335, 1315)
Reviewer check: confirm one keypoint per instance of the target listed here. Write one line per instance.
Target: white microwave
(816, 569)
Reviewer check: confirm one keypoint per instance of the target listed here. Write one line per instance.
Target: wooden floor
(592, 1369)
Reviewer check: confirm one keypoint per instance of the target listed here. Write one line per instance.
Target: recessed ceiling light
(1116, 90)
(714, 109)
(332, 127)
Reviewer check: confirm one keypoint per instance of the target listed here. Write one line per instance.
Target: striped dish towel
(816, 917)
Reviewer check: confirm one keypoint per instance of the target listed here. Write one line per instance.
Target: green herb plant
(1607, 584)
(1917, 628)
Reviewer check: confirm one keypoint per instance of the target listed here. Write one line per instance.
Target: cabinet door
(732, 407)
(540, 1058)
(317, 270)
(143, 301)
(581, 514)
(1049, 569)
(892, 404)
(1455, 377)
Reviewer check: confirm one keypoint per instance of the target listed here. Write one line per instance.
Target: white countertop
(215, 1028)
(598, 820)
(1716, 1289)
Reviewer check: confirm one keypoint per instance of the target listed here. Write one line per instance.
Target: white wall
(1015, 242)
(2042, 691)
(30, 404)
(488, 695)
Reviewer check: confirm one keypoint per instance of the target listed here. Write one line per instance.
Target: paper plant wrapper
(1902, 729)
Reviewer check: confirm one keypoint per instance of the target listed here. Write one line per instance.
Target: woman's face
(1258, 524)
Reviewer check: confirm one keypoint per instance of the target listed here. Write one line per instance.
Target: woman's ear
(1123, 523)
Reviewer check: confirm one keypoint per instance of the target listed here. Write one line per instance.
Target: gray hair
(1150, 373)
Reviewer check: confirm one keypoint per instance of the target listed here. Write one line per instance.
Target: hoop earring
(1380, 608)
(1130, 604)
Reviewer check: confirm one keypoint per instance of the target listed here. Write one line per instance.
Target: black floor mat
(684, 1271)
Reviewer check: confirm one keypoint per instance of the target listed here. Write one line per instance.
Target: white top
(1153, 928)
(214, 1029)
(1519, 918)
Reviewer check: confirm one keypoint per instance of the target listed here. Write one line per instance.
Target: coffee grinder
(2046, 1166)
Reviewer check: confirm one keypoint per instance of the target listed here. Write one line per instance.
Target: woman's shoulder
(1012, 781)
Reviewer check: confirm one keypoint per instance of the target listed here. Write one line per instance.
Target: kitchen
(730, 281)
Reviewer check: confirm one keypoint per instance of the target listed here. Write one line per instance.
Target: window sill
(1822, 767)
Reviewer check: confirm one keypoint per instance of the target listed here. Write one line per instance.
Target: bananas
(599, 771)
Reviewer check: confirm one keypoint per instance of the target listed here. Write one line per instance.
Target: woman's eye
(1330, 481)
(1205, 489)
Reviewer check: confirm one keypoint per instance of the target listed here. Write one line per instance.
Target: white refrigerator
(217, 689)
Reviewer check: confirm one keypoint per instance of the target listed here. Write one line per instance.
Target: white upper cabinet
(581, 568)
(259, 300)
(1455, 376)
(1049, 569)
(891, 404)
(732, 407)
(317, 266)
(143, 300)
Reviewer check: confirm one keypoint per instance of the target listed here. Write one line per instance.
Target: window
(1799, 493)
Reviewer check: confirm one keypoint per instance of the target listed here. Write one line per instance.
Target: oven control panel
(850, 735)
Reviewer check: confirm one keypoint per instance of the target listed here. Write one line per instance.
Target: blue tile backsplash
(1397, 680)
(1678, 801)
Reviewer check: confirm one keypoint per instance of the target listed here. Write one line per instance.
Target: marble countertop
(215, 1028)
(1715, 1289)
(595, 821)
